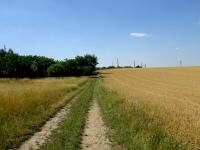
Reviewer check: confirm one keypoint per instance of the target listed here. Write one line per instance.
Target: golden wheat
(171, 96)
(25, 104)
(16, 94)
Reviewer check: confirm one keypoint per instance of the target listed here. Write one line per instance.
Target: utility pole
(4, 47)
(134, 64)
(117, 62)
(181, 63)
(180, 58)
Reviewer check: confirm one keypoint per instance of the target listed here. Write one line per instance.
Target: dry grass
(25, 104)
(171, 96)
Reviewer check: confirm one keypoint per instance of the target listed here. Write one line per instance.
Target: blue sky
(155, 32)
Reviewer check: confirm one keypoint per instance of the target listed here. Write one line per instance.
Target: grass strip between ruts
(68, 135)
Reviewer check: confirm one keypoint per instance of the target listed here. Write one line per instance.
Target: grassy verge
(131, 128)
(25, 105)
(69, 134)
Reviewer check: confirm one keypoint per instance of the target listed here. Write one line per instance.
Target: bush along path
(41, 137)
(69, 133)
(94, 137)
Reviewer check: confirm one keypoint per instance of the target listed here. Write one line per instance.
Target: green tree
(56, 70)
(14, 65)
(91, 61)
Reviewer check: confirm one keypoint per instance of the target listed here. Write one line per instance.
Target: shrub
(56, 70)
(87, 70)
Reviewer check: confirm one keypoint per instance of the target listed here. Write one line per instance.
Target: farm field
(168, 98)
(26, 104)
(100, 75)
(155, 108)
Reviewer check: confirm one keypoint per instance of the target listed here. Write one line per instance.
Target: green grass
(68, 136)
(129, 127)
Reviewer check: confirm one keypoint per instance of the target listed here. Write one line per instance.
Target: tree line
(13, 65)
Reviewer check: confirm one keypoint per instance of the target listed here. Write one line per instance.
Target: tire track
(94, 137)
(41, 137)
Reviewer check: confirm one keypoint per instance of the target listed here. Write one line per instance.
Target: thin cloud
(138, 34)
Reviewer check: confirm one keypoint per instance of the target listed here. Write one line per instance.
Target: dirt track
(94, 137)
(41, 137)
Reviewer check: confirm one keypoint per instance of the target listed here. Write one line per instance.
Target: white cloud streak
(138, 34)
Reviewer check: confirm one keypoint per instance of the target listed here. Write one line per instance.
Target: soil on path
(94, 137)
(41, 137)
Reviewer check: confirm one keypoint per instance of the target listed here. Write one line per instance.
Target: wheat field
(171, 96)
(25, 104)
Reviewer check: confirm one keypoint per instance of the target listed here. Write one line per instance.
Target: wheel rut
(42, 137)
(94, 137)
